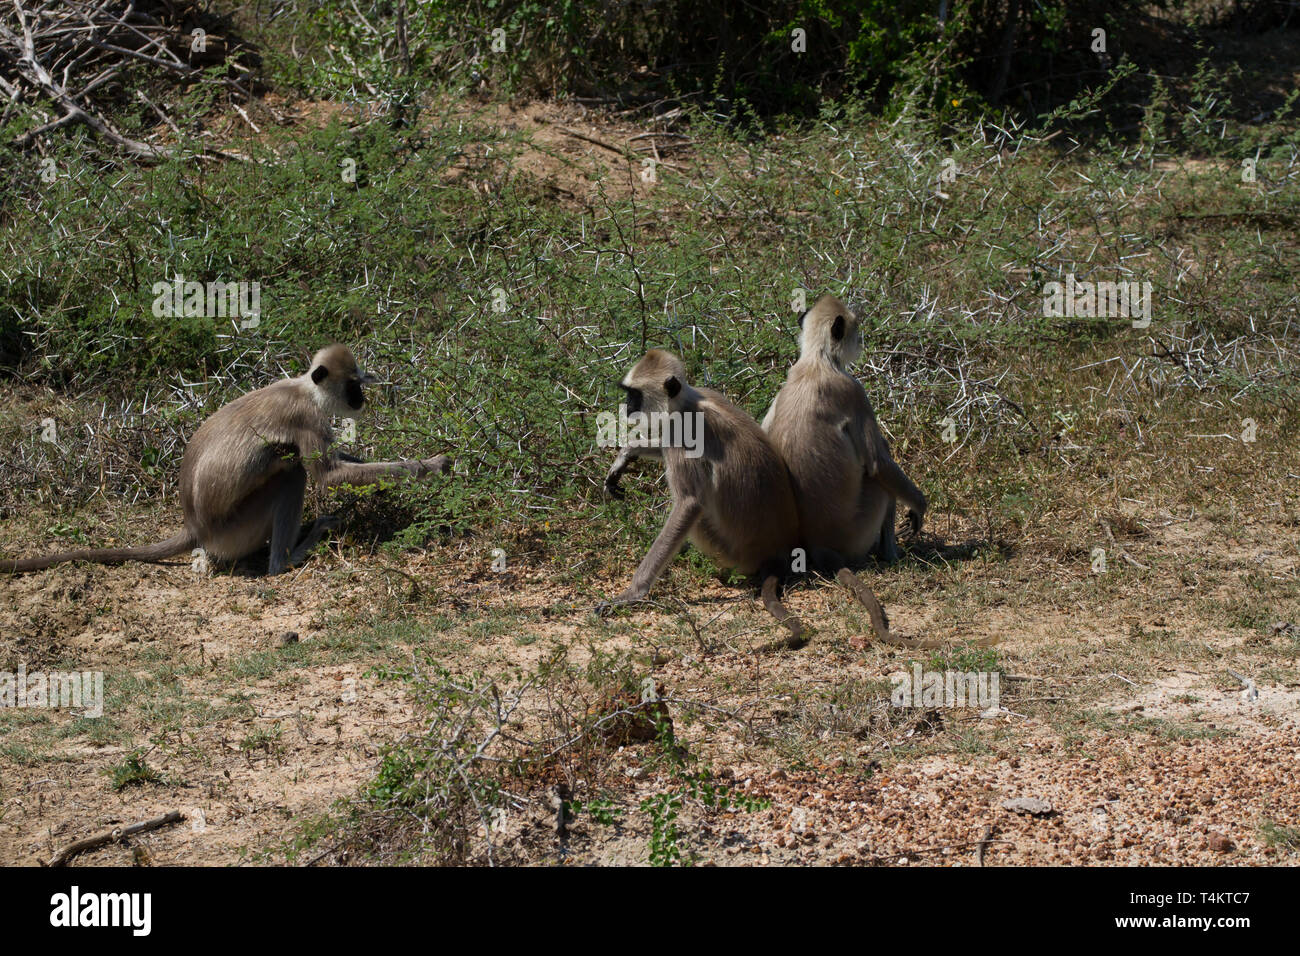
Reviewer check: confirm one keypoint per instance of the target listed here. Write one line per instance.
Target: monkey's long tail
(787, 620)
(173, 546)
(879, 623)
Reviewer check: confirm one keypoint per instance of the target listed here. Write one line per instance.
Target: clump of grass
(688, 785)
(133, 771)
(1280, 835)
(966, 658)
(495, 751)
(268, 740)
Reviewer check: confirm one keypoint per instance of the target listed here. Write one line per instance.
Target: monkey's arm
(868, 442)
(890, 477)
(622, 461)
(685, 513)
(863, 438)
(338, 471)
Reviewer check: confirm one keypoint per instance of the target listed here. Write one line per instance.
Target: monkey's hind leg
(286, 492)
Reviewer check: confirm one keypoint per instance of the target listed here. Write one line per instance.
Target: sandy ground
(250, 744)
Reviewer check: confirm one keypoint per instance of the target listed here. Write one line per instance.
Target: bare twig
(112, 836)
(59, 55)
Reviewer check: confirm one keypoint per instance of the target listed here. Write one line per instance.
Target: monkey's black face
(352, 391)
(633, 399)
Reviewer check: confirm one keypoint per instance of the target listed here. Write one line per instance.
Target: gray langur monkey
(845, 479)
(244, 474)
(731, 494)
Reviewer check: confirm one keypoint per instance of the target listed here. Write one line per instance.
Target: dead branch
(112, 836)
(72, 59)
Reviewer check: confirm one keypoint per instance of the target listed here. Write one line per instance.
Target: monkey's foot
(607, 608)
(306, 545)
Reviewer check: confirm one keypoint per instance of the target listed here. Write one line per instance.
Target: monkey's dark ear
(837, 330)
(672, 386)
(801, 317)
(319, 373)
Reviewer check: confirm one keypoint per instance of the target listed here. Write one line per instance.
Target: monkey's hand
(611, 483)
(624, 458)
(606, 608)
(916, 515)
(440, 465)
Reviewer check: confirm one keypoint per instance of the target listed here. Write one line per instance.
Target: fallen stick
(112, 836)
(596, 142)
(627, 154)
(1128, 558)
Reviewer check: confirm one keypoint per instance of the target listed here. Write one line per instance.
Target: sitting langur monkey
(845, 479)
(244, 474)
(731, 492)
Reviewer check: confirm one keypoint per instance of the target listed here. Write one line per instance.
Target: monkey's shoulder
(844, 390)
(824, 381)
(279, 417)
(823, 400)
(722, 414)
